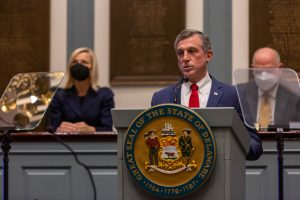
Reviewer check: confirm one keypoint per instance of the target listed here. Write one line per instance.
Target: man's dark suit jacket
(287, 103)
(221, 95)
(94, 109)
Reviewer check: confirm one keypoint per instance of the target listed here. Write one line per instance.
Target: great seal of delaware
(169, 150)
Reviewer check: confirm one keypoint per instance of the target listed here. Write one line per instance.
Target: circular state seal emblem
(169, 150)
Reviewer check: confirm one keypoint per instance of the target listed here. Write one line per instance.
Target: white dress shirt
(204, 87)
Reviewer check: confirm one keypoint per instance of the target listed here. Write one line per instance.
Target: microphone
(179, 84)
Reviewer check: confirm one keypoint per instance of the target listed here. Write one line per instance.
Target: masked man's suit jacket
(287, 103)
(221, 95)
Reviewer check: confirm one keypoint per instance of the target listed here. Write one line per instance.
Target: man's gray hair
(190, 32)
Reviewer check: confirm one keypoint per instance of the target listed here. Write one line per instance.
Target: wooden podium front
(227, 181)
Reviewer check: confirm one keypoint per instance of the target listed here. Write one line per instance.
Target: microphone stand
(280, 147)
(6, 140)
(178, 85)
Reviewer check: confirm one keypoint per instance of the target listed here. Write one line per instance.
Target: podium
(227, 181)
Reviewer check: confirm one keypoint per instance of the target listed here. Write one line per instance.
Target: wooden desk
(42, 168)
(288, 135)
(262, 175)
(45, 136)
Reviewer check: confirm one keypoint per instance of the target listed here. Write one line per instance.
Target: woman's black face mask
(80, 72)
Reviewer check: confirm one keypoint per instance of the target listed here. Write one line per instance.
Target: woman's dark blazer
(94, 108)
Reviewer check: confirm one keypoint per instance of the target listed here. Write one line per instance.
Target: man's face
(266, 69)
(192, 59)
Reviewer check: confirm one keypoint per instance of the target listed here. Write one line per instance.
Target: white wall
(240, 36)
(58, 35)
(138, 97)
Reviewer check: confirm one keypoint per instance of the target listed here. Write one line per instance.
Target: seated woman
(81, 106)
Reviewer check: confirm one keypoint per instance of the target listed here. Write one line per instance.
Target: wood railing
(287, 135)
(264, 135)
(40, 136)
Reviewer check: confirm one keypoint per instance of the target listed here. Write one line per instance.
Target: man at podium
(198, 89)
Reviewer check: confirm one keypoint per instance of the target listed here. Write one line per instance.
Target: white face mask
(266, 80)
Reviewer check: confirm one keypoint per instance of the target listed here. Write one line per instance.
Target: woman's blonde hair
(94, 72)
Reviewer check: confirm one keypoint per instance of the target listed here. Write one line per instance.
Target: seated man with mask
(269, 100)
(82, 106)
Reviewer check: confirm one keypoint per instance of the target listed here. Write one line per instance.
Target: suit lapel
(280, 108)
(178, 94)
(175, 91)
(216, 93)
(252, 98)
(89, 101)
(73, 101)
